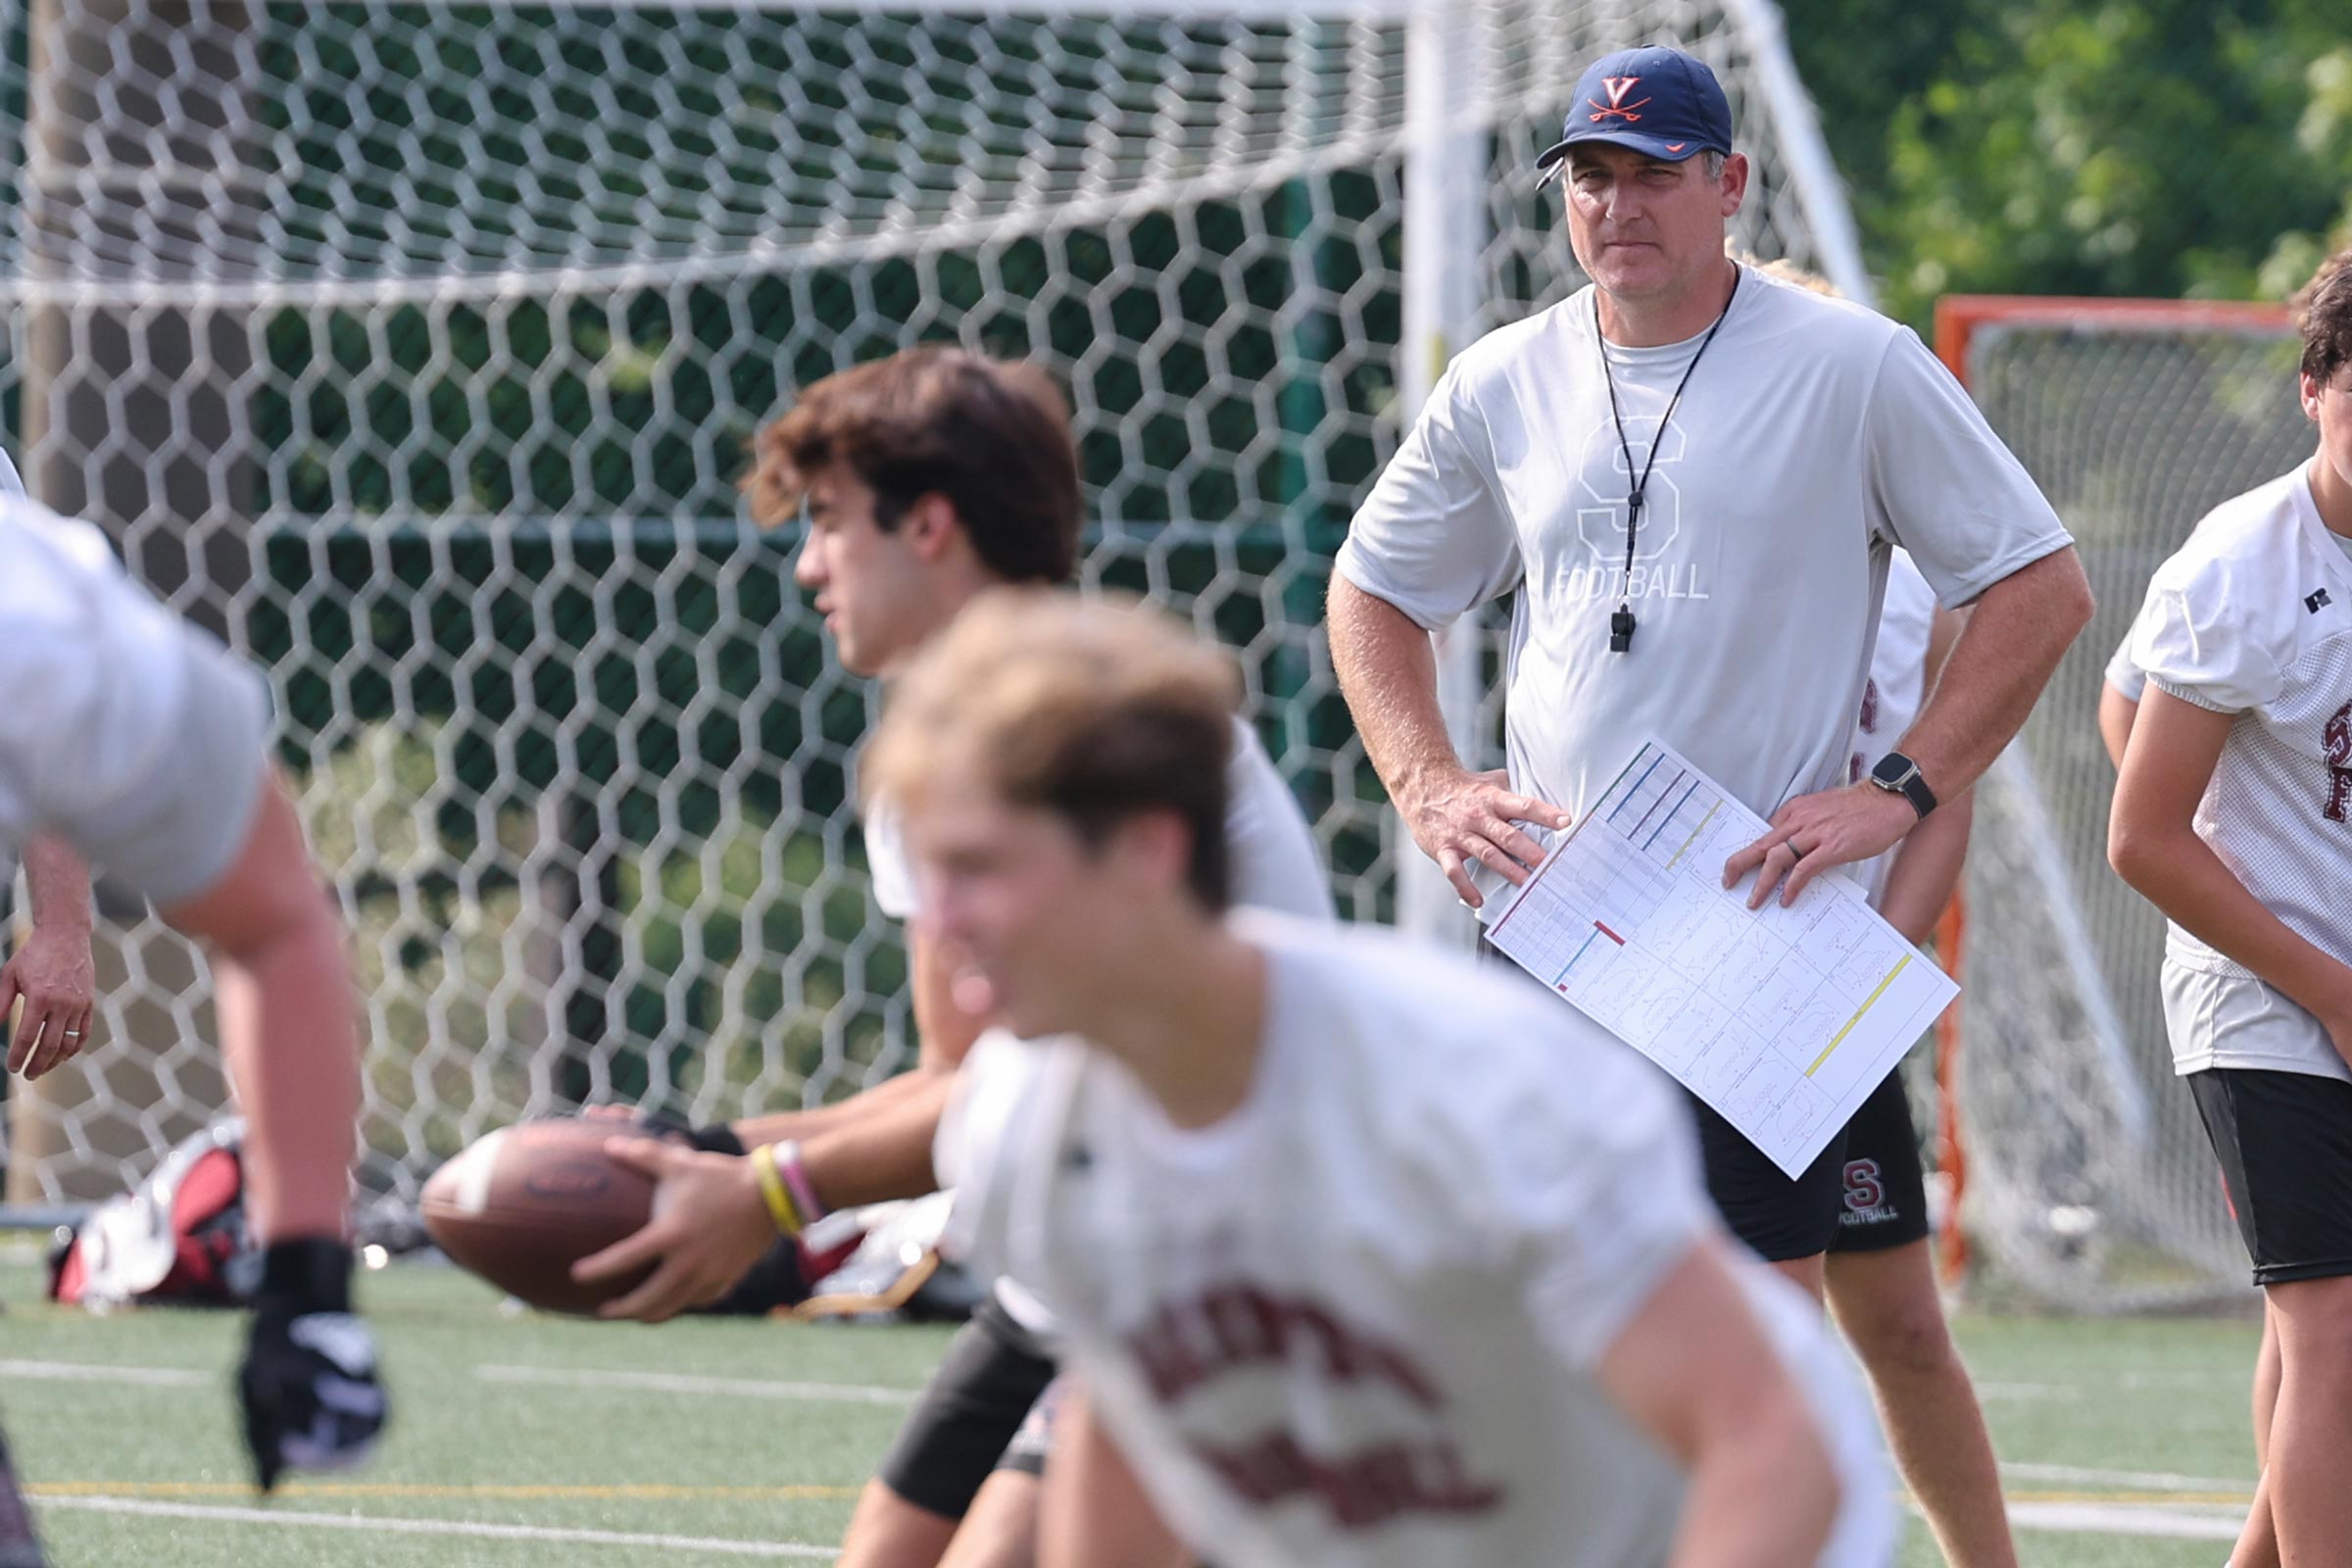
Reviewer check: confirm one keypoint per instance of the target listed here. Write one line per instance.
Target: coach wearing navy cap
(1693, 475)
(1656, 101)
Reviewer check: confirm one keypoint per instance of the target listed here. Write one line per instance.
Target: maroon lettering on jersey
(1870, 706)
(2337, 744)
(1359, 1490)
(1238, 1326)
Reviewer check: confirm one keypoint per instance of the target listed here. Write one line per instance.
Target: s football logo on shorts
(1864, 1189)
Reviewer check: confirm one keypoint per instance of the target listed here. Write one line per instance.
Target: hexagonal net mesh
(2091, 1185)
(416, 347)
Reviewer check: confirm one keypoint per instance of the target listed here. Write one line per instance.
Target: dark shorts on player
(1026, 1452)
(2285, 1142)
(1886, 1199)
(979, 1398)
(1778, 1218)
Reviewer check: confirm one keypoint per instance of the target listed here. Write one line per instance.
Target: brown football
(520, 1205)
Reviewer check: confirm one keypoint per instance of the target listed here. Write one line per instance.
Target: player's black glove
(715, 1139)
(309, 1388)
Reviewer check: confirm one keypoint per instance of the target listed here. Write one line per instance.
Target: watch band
(1897, 774)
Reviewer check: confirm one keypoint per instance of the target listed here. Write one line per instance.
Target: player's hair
(2323, 315)
(1096, 711)
(1787, 272)
(993, 436)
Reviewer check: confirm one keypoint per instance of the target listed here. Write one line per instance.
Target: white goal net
(2090, 1182)
(414, 347)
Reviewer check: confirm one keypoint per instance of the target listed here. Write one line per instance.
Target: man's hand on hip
(1467, 819)
(1815, 832)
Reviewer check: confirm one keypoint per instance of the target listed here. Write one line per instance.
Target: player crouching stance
(1361, 1258)
(143, 745)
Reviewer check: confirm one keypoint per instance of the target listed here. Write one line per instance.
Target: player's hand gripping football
(1815, 832)
(709, 1226)
(308, 1386)
(1465, 820)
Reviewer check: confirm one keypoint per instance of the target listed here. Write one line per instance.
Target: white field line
(676, 1383)
(398, 1526)
(2127, 1519)
(145, 1377)
(2131, 1479)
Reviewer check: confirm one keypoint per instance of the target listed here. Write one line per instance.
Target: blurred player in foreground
(929, 479)
(1365, 1254)
(2233, 815)
(143, 745)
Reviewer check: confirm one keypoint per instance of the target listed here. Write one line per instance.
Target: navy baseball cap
(1657, 101)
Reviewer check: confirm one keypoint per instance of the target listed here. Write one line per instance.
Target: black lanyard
(1621, 625)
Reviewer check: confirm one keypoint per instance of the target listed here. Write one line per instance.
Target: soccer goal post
(2087, 1181)
(415, 345)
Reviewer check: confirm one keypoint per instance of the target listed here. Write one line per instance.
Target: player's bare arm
(2117, 713)
(284, 994)
(2153, 844)
(1927, 867)
(1695, 1369)
(51, 973)
(2017, 631)
(1095, 1514)
(1389, 674)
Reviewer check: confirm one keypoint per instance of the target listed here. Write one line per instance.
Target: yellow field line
(1868, 1003)
(640, 1492)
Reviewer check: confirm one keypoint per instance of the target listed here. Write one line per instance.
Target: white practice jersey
(1896, 689)
(1813, 437)
(1357, 1322)
(1271, 856)
(2122, 673)
(123, 731)
(2253, 617)
(1271, 863)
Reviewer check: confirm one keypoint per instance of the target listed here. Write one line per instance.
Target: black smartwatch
(1897, 774)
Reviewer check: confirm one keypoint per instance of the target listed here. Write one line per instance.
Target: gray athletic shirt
(1813, 437)
(127, 732)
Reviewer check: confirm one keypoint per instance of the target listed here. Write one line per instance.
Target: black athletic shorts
(977, 1400)
(1886, 1202)
(2284, 1140)
(1778, 1218)
(1026, 1452)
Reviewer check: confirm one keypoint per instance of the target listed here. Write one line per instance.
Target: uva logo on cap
(1617, 108)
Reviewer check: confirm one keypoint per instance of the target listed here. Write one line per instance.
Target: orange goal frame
(1959, 317)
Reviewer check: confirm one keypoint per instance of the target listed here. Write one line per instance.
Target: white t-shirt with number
(1359, 1321)
(123, 731)
(2253, 617)
(1896, 689)
(1813, 437)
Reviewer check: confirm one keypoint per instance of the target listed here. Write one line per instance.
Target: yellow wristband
(771, 1187)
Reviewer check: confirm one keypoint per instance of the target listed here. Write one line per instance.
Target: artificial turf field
(523, 1439)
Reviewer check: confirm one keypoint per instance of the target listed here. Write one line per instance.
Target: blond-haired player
(1363, 1254)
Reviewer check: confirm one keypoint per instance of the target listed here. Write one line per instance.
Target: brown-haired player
(2233, 815)
(926, 478)
(1365, 1255)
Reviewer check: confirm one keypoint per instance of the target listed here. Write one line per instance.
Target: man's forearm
(2017, 633)
(882, 1155)
(58, 882)
(1927, 868)
(799, 1126)
(1388, 674)
(1763, 1497)
(2178, 872)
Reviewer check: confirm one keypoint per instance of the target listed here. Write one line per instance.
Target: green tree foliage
(2198, 148)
